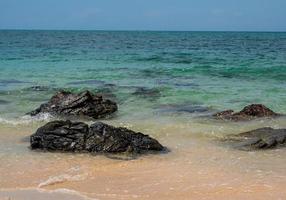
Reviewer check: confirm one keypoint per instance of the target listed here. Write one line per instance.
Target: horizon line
(143, 30)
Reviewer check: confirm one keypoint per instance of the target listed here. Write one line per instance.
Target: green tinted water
(213, 70)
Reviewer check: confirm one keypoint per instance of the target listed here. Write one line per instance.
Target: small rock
(262, 138)
(247, 113)
(84, 104)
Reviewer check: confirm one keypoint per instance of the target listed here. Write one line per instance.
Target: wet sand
(197, 167)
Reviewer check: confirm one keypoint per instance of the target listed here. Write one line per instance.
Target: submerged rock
(84, 104)
(182, 108)
(70, 136)
(39, 88)
(106, 92)
(147, 92)
(4, 102)
(87, 82)
(249, 112)
(263, 138)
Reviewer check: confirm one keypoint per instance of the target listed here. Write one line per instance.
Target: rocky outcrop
(263, 138)
(67, 136)
(247, 113)
(84, 104)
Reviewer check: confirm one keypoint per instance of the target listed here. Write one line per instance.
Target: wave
(26, 119)
(62, 179)
(179, 59)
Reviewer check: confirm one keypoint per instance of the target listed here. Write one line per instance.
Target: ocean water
(166, 84)
(214, 70)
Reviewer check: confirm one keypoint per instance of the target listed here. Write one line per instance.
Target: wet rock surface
(247, 113)
(84, 104)
(262, 138)
(67, 136)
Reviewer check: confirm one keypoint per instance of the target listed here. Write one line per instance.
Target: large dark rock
(84, 104)
(263, 138)
(70, 136)
(247, 113)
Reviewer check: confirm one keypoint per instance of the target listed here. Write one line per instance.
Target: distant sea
(208, 70)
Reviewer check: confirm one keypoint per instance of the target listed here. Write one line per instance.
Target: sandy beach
(198, 167)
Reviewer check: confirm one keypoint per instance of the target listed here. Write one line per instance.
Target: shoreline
(196, 167)
(36, 193)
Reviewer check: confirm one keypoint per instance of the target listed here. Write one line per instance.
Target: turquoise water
(186, 71)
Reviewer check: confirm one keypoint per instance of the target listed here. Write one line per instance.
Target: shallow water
(197, 167)
(190, 75)
(212, 69)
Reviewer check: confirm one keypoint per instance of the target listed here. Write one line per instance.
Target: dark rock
(247, 113)
(84, 104)
(263, 138)
(105, 138)
(60, 136)
(70, 136)
(256, 110)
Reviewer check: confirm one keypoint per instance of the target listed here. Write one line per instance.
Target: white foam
(61, 179)
(67, 191)
(26, 119)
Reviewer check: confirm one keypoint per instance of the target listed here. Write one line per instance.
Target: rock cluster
(67, 136)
